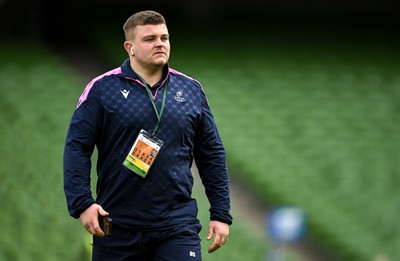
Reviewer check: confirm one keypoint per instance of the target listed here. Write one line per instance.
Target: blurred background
(306, 95)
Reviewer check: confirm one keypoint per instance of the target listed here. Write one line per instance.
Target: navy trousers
(176, 244)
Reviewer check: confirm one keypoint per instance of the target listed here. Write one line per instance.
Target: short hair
(142, 18)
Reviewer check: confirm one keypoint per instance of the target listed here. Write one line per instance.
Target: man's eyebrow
(155, 35)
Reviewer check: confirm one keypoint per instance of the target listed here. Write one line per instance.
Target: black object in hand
(105, 225)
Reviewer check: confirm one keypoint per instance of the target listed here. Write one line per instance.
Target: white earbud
(131, 50)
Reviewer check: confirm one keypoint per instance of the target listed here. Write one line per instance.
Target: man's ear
(128, 47)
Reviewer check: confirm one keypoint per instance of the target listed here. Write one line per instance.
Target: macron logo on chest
(125, 93)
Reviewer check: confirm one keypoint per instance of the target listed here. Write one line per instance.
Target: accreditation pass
(143, 153)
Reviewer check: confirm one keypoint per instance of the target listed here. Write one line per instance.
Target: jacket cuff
(78, 211)
(222, 217)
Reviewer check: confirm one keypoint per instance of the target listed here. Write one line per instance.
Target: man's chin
(160, 62)
(160, 57)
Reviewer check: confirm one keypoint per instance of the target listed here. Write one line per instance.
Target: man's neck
(150, 76)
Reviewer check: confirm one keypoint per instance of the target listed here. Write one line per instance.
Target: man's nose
(159, 42)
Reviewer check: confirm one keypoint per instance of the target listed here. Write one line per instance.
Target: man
(148, 123)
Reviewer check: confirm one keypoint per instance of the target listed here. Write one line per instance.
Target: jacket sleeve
(210, 157)
(79, 146)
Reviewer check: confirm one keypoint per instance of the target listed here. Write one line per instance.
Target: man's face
(151, 45)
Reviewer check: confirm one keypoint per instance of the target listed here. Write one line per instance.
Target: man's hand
(90, 219)
(221, 231)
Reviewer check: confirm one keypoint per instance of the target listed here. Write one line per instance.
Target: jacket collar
(127, 72)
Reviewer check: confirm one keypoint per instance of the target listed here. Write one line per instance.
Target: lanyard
(158, 114)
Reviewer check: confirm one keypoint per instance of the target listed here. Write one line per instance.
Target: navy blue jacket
(111, 111)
